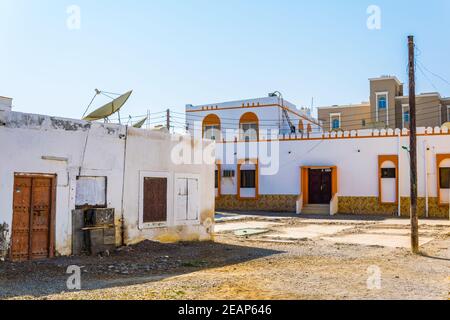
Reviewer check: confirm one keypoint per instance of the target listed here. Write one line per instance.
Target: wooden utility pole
(168, 119)
(413, 148)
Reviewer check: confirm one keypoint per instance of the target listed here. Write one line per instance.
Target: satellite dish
(109, 108)
(139, 124)
(446, 125)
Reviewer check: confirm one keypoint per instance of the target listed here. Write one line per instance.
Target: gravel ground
(242, 268)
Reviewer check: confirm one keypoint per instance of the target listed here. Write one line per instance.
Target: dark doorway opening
(320, 186)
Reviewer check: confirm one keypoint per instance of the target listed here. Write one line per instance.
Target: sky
(178, 52)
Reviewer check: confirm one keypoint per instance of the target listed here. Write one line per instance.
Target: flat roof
(356, 105)
(386, 78)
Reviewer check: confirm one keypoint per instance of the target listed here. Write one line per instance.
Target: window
(211, 127)
(335, 120)
(336, 124)
(382, 102)
(91, 192)
(248, 179)
(406, 116)
(228, 173)
(249, 127)
(155, 200)
(388, 173)
(363, 122)
(249, 131)
(444, 174)
(212, 132)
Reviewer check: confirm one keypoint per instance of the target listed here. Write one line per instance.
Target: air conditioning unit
(229, 173)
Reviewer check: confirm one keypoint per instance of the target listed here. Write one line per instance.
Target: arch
(249, 127)
(387, 162)
(442, 161)
(211, 122)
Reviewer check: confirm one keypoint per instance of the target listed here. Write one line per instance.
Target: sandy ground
(276, 258)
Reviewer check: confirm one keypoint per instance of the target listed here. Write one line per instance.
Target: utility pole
(168, 119)
(413, 148)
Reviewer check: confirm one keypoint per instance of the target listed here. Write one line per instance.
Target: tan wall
(393, 89)
(428, 111)
(351, 117)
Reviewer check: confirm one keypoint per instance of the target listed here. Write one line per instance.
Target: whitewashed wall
(151, 153)
(25, 139)
(97, 150)
(356, 159)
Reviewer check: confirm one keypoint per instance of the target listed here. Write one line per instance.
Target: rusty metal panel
(155, 200)
(21, 219)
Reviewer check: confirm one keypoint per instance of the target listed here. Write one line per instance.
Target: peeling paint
(68, 125)
(4, 240)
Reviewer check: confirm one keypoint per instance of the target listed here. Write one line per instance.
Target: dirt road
(256, 258)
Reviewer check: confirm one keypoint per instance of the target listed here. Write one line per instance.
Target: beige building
(388, 107)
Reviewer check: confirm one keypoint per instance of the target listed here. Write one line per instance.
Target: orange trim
(219, 180)
(240, 163)
(304, 173)
(211, 120)
(341, 138)
(381, 160)
(439, 159)
(247, 106)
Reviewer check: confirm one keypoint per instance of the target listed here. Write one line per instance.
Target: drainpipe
(425, 148)
(122, 218)
(399, 175)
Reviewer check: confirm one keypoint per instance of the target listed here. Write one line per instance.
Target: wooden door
(155, 200)
(320, 186)
(32, 218)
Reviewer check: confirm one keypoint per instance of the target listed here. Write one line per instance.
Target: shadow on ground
(143, 263)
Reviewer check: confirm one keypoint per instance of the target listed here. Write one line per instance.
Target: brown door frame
(52, 177)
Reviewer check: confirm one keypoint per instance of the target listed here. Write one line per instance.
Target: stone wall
(347, 205)
(372, 206)
(274, 203)
(4, 243)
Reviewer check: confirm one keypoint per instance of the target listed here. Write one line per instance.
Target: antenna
(109, 108)
(139, 124)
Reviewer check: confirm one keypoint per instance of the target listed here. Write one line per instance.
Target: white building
(51, 166)
(361, 172)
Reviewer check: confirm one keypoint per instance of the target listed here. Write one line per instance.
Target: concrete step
(322, 209)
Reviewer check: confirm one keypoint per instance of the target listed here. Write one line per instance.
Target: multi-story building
(252, 119)
(316, 171)
(388, 107)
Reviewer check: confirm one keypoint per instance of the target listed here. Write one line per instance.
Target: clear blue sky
(175, 52)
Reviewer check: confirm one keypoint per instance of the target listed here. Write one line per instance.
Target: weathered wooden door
(32, 218)
(320, 186)
(155, 200)
(187, 198)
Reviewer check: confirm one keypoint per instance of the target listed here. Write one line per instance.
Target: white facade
(369, 168)
(67, 149)
(269, 112)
